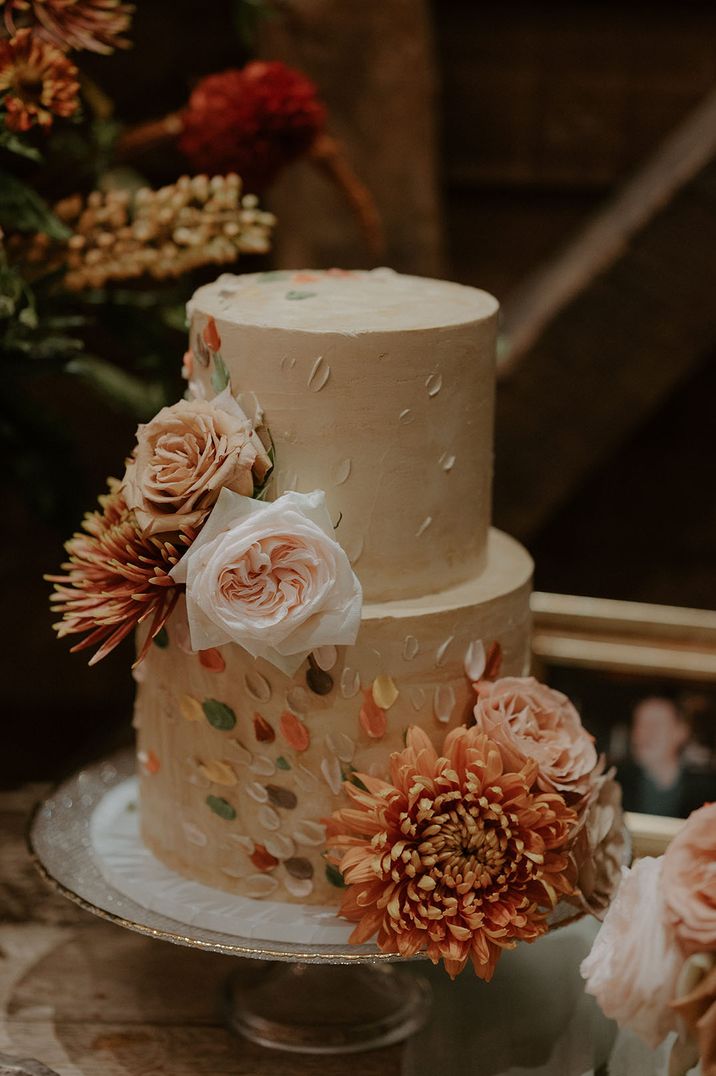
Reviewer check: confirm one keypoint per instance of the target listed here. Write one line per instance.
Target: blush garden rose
(185, 456)
(635, 961)
(689, 879)
(270, 577)
(532, 721)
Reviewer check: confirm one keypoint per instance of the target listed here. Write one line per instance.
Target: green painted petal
(219, 715)
(221, 807)
(219, 375)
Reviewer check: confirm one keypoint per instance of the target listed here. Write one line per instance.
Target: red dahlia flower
(251, 121)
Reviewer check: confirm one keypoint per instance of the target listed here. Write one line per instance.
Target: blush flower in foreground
(531, 720)
(270, 577)
(116, 579)
(635, 961)
(689, 879)
(457, 856)
(37, 82)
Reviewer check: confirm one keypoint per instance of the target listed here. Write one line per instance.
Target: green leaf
(247, 16)
(295, 294)
(219, 375)
(161, 639)
(282, 764)
(22, 210)
(334, 876)
(141, 398)
(221, 807)
(174, 317)
(219, 715)
(13, 144)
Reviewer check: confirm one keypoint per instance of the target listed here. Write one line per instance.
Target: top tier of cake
(377, 388)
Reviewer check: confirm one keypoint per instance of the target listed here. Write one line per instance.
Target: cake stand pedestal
(301, 997)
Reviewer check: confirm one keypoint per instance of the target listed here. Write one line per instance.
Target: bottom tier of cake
(240, 763)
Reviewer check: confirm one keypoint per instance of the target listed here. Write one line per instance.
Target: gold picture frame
(631, 638)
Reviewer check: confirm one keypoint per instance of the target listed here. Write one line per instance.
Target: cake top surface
(341, 300)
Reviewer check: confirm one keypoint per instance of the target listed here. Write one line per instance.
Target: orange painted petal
(263, 860)
(211, 335)
(294, 732)
(372, 717)
(212, 659)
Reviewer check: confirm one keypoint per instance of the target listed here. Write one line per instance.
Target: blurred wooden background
(491, 135)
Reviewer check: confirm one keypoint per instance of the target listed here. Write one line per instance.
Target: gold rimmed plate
(60, 844)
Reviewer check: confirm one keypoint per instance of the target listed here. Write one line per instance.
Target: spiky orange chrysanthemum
(96, 25)
(37, 82)
(116, 578)
(456, 856)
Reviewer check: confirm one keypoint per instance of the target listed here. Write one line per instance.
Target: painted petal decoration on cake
(211, 336)
(294, 732)
(262, 859)
(457, 855)
(372, 717)
(221, 807)
(211, 659)
(263, 731)
(270, 577)
(219, 715)
(185, 456)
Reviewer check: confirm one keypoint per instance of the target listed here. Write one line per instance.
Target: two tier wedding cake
(332, 700)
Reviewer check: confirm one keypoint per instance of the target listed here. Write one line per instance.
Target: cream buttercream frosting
(377, 389)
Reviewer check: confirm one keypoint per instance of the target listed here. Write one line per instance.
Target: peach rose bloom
(635, 961)
(185, 456)
(532, 721)
(690, 881)
(599, 847)
(270, 577)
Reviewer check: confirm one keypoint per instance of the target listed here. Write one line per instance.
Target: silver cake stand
(306, 998)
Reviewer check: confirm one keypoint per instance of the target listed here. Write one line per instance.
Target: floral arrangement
(464, 853)
(189, 517)
(653, 965)
(100, 246)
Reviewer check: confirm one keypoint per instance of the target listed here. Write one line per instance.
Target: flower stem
(146, 136)
(327, 153)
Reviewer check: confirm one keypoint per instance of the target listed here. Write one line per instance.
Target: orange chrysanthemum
(457, 856)
(96, 25)
(116, 578)
(37, 82)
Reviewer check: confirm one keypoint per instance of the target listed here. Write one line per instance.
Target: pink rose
(599, 846)
(635, 961)
(532, 721)
(270, 577)
(185, 456)
(690, 881)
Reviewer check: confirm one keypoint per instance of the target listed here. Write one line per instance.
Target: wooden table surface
(88, 998)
